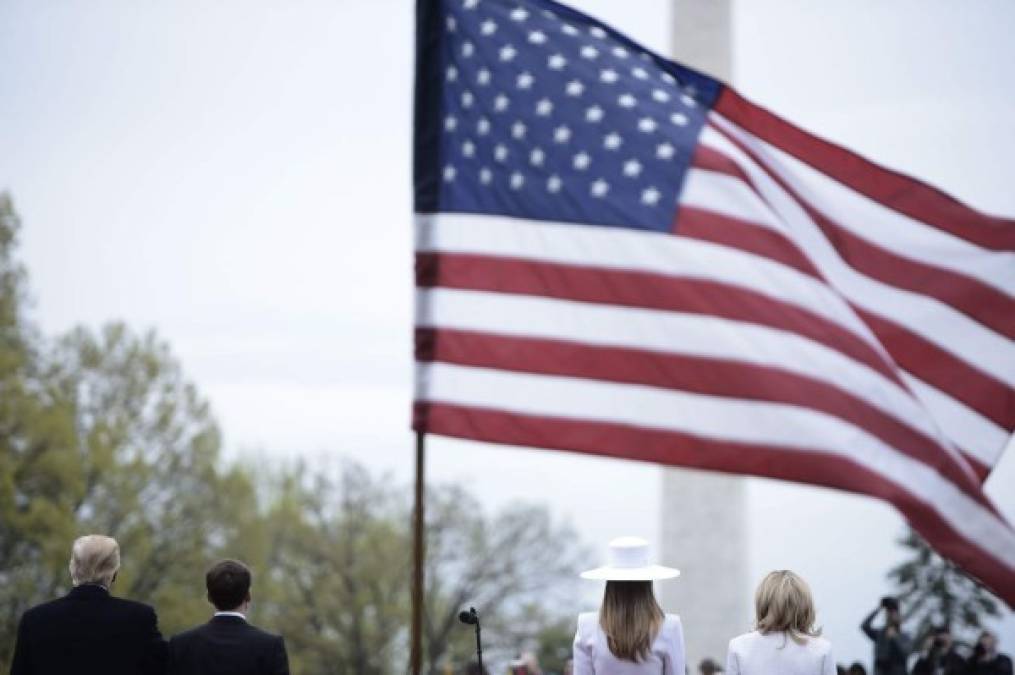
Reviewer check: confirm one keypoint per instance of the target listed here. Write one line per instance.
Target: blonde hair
(630, 617)
(94, 559)
(783, 604)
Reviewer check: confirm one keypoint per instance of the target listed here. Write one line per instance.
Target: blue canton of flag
(547, 114)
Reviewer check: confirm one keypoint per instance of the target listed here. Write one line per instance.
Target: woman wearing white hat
(630, 635)
(785, 640)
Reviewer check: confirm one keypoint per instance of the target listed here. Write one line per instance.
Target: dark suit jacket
(89, 631)
(227, 645)
(999, 665)
(950, 662)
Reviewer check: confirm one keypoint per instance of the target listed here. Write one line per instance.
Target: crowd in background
(895, 652)
(90, 631)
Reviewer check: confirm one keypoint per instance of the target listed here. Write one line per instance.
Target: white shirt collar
(239, 614)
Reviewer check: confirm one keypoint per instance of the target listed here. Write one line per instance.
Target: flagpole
(418, 557)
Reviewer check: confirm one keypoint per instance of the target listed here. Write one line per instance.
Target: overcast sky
(237, 175)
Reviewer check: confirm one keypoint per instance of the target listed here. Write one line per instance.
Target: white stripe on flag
(881, 226)
(653, 252)
(667, 332)
(950, 330)
(717, 418)
(971, 431)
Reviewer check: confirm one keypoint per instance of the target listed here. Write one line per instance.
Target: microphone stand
(472, 616)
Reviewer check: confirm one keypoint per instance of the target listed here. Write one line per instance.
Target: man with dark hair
(709, 667)
(228, 645)
(891, 645)
(986, 660)
(939, 656)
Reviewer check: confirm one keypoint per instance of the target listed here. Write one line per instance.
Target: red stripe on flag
(681, 449)
(641, 289)
(893, 189)
(681, 372)
(982, 303)
(938, 367)
(705, 225)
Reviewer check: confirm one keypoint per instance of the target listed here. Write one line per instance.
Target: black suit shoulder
(263, 635)
(88, 631)
(137, 611)
(112, 605)
(249, 632)
(227, 646)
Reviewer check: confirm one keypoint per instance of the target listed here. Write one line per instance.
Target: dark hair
(228, 583)
(857, 669)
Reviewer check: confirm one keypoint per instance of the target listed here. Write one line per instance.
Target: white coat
(757, 654)
(592, 656)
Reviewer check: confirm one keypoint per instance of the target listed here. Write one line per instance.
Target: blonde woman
(630, 635)
(784, 640)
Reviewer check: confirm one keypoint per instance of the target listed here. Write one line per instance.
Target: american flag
(618, 255)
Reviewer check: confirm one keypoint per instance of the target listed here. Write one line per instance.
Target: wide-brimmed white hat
(629, 561)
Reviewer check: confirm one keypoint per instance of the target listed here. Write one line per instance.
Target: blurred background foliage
(100, 431)
(934, 592)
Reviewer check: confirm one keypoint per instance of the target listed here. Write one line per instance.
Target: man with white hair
(88, 630)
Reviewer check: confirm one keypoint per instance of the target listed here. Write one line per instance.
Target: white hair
(94, 559)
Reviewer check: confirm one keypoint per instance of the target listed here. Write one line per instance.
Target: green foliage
(505, 565)
(36, 440)
(101, 432)
(338, 567)
(147, 455)
(935, 592)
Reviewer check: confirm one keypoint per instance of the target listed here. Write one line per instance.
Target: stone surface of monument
(704, 518)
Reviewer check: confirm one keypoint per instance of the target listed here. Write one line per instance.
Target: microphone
(471, 618)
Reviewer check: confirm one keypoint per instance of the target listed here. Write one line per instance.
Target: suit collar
(89, 591)
(228, 620)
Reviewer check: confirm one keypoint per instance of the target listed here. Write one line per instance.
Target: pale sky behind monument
(237, 175)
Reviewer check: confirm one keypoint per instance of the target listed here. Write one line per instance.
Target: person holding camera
(986, 660)
(892, 645)
(939, 656)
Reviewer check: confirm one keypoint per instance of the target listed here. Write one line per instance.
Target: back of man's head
(228, 583)
(94, 559)
(709, 667)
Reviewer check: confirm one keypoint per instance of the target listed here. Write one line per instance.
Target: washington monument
(704, 529)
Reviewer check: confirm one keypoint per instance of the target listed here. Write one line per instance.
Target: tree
(338, 566)
(503, 565)
(935, 592)
(146, 457)
(553, 639)
(101, 432)
(35, 436)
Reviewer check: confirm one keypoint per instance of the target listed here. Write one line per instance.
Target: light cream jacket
(592, 656)
(777, 653)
